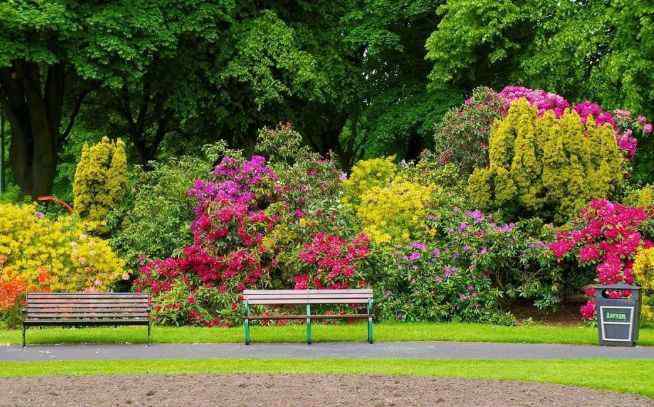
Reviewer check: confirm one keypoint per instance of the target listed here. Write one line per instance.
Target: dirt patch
(294, 390)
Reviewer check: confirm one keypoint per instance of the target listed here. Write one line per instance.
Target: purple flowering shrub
(470, 269)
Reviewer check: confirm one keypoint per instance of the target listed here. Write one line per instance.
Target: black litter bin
(617, 318)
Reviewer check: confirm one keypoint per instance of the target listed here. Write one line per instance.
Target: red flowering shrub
(607, 236)
(331, 262)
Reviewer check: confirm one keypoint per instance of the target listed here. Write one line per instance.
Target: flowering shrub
(227, 254)
(331, 262)
(547, 167)
(620, 120)
(607, 236)
(250, 224)
(38, 253)
(421, 282)
(366, 174)
(395, 213)
(644, 276)
(461, 137)
(100, 181)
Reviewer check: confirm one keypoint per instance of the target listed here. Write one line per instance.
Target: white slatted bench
(86, 309)
(308, 298)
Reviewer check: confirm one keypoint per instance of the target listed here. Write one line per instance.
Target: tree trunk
(34, 111)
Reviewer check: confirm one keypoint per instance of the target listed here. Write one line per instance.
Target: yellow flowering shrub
(100, 181)
(395, 213)
(644, 276)
(366, 174)
(541, 165)
(53, 255)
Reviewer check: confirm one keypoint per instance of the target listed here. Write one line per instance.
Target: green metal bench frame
(86, 309)
(308, 298)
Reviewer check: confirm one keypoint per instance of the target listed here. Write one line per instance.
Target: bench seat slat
(80, 322)
(291, 296)
(276, 317)
(308, 301)
(53, 310)
(85, 301)
(63, 315)
(323, 291)
(117, 297)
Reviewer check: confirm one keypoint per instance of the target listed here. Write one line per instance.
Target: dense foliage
(457, 156)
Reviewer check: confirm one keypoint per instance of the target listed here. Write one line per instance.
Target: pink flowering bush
(606, 237)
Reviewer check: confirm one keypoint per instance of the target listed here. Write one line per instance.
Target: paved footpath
(381, 350)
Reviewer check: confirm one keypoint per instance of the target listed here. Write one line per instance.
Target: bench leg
(246, 331)
(308, 324)
(24, 329)
(370, 322)
(149, 332)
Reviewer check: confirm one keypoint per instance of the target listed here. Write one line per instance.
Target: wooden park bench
(86, 309)
(308, 298)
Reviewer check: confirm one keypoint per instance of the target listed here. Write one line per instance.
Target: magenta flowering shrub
(227, 254)
(606, 237)
(255, 228)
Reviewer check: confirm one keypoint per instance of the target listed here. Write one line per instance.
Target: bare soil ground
(293, 390)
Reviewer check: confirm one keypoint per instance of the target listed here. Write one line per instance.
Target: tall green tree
(57, 52)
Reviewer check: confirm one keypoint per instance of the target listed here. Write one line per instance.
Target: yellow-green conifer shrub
(644, 276)
(54, 255)
(641, 198)
(546, 166)
(366, 174)
(395, 213)
(100, 181)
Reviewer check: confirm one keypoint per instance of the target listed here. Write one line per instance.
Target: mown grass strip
(384, 332)
(630, 376)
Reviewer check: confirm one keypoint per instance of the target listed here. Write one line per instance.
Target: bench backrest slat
(83, 306)
(349, 296)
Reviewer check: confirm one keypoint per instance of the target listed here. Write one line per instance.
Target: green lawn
(342, 332)
(593, 373)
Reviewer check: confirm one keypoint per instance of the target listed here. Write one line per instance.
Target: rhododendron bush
(252, 229)
(607, 237)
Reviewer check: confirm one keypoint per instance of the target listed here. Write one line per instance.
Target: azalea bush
(606, 238)
(545, 166)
